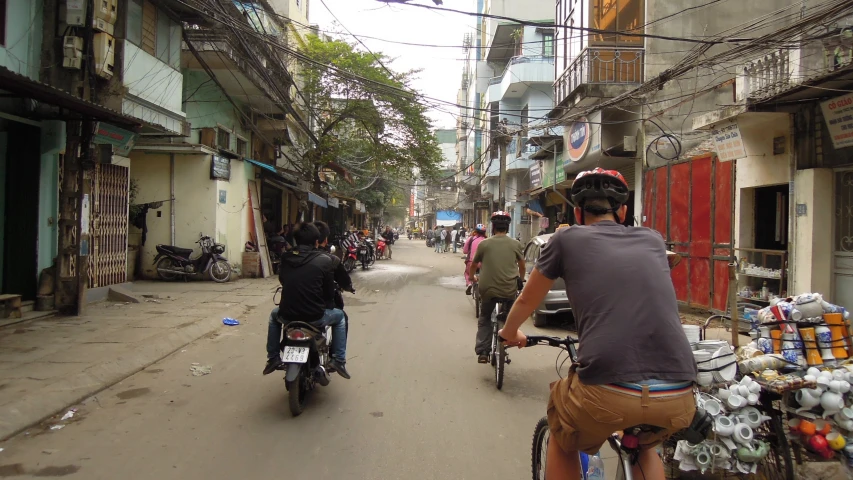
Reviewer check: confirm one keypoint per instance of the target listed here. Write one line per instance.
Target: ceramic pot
(831, 402)
(822, 427)
(743, 434)
(752, 417)
(806, 427)
(794, 425)
(790, 350)
(839, 350)
(724, 426)
(776, 336)
(808, 398)
(836, 441)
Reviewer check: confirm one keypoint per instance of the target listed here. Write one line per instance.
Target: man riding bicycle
(635, 366)
(502, 269)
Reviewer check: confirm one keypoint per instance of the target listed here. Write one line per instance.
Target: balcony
(600, 72)
(519, 73)
(823, 63)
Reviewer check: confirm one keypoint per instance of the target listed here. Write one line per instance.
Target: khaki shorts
(582, 417)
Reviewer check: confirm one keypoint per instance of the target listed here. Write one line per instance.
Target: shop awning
(317, 200)
(263, 165)
(26, 87)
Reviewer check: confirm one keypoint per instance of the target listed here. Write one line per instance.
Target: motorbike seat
(184, 252)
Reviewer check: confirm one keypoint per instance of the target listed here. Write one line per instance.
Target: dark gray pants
(484, 324)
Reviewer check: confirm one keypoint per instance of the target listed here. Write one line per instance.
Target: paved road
(418, 406)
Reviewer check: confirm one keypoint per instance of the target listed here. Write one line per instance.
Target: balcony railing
(519, 60)
(775, 72)
(601, 65)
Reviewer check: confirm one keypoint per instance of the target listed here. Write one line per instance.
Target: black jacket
(388, 236)
(308, 285)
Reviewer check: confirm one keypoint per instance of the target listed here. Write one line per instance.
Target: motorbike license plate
(363, 251)
(295, 355)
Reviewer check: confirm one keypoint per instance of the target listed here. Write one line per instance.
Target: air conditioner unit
(104, 46)
(75, 13)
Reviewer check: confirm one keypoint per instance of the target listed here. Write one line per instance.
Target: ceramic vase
(810, 343)
(824, 342)
(790, 351)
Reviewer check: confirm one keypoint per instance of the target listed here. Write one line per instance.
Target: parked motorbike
(173, 262)
(305, 356)
(276, 249)
(350, 258)
(366, 254)
(430, 242)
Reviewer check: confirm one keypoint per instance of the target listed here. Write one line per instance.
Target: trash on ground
(230, 321)
(1, 449)
(68, 415)
(57, 427)
(200, 370)
(49, 451)
(151, 300)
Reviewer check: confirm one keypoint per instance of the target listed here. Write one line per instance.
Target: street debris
(49, 451)
(57, 427)
(151, 300)
(200, 370)
(1, 449)
(230, 321)
(68, 415)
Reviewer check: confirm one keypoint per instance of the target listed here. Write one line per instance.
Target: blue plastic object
(230, 321)
(584, 465)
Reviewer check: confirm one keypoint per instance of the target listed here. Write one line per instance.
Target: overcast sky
(442, 67)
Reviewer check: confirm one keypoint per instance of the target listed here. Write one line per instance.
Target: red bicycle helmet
(501, 217)
(600, 183)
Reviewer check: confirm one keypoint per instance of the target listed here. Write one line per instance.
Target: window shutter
(149, 27)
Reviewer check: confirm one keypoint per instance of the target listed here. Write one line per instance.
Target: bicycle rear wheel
(539, 452)
(499, 364)
(779, 463)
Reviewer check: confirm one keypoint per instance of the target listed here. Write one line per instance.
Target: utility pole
(503, 139)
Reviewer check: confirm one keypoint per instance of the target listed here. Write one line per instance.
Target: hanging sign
(728, 142)
(121, 139)
(536, 174)
(579, 136)
(838, 115)
(220, 168)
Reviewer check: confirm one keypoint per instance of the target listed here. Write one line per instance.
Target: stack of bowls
(693, 333)
(711, 345)
(703, 362)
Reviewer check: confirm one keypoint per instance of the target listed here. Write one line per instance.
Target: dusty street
(418, 406)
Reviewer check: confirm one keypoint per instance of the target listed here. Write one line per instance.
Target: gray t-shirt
(618, 282)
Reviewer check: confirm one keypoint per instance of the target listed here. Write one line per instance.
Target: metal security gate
(108, 258)
(691, 203)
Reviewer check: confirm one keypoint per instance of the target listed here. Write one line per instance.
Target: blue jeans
(333, 317)
(439, 245)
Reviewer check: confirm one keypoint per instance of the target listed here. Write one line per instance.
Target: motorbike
(430, 242)
(276, 249)
(173, 262)
(306, 359)
(366, 255)
(409, 235)
(350, 258)
(381, 248)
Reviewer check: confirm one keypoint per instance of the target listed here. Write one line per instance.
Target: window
(2, 22)
(134, 21)
(223, 139)
(615, 16)
(547, 44)
(154, 32)
(241, 146)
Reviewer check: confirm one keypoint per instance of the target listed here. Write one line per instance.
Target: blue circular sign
(578, 139)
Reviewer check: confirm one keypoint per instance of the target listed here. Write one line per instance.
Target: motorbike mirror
(333, 249)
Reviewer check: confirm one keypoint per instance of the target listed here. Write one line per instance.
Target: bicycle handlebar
(551, 341)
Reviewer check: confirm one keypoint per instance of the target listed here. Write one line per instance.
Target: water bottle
(595, 469)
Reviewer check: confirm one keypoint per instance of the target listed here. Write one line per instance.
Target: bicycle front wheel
(539, 452)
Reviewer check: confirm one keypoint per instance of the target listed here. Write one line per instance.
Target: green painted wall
(3, 140)
(206, 106)
(22, 51)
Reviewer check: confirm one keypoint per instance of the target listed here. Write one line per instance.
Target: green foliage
(366, 124)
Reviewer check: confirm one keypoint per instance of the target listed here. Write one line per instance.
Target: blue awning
(317, 200)
(263, 165)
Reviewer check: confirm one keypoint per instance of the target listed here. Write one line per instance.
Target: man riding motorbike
(470, 249)
(501, 270)
(307, 280)
(635, 365)
(342, 278)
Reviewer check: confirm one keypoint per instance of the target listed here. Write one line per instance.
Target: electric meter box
(75, 13)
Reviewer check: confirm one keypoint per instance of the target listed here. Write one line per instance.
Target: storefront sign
(220, 168)
(578, 141)
(536, 175)
(838, 115)
(121, 139)
(728, 142)
(412, 204)
(525, 219)
(481, 205)
(333, 202)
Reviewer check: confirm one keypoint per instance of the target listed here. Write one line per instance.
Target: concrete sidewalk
(49, 364)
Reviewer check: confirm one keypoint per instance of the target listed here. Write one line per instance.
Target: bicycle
(498, 356)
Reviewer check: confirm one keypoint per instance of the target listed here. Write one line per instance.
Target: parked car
(555, 301)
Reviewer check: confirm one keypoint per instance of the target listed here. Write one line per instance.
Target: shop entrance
(771, 217)
(271, 206)
(843, 240)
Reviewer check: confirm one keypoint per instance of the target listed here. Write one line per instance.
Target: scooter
(173, 262)
(366, 254)
(381, 247)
